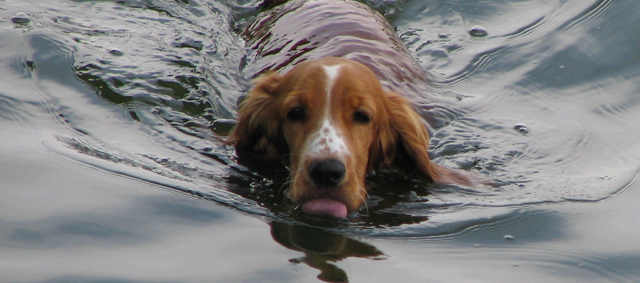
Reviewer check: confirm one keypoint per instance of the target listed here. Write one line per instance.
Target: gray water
(113, 113)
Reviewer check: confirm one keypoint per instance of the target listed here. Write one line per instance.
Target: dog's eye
(361, 117)
(296, 114)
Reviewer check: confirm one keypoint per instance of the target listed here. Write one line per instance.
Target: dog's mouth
(325, 207)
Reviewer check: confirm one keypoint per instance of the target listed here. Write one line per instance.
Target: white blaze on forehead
(332, 74)
(328, 139)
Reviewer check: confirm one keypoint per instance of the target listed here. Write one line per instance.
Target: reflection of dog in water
(321, 247)
(332, 102)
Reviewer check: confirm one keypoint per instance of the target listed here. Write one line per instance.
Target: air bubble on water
(478, 31)
(522, 128)
(116, 52)
(20, 18)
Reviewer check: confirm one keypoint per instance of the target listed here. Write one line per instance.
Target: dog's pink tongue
(325, 206)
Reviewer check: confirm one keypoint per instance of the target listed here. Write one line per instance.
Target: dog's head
(334, 121)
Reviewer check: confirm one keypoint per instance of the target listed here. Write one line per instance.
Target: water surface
(113, 113)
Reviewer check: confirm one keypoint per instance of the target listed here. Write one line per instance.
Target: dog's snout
(327, 173)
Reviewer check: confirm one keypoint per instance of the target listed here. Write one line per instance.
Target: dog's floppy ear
(405, 139)
(258, 129)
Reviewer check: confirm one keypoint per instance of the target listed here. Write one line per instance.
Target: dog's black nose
(327, 173)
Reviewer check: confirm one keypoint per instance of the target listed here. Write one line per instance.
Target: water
(113, 169)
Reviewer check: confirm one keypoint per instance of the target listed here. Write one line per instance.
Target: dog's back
(301, 30)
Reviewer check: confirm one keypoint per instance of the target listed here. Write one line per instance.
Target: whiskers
(364, 197)
(283, 196)
(283, 192)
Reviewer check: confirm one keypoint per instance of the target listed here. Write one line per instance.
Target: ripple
(204, 182)
(479, 64)
(11, 109)
(582, 265)
(527, 30)
(594, 12)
